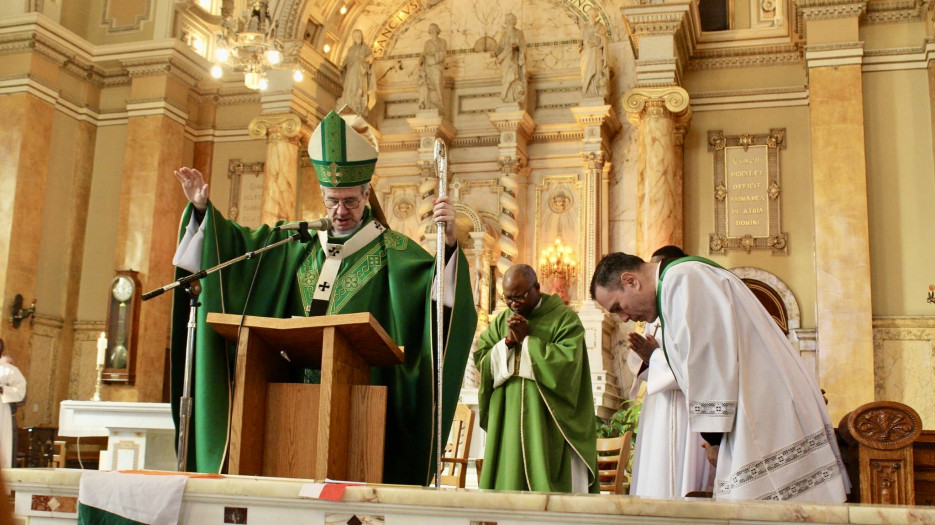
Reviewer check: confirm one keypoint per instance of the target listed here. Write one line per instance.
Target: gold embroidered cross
(334, 173)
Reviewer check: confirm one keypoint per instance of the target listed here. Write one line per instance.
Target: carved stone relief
(400, 204)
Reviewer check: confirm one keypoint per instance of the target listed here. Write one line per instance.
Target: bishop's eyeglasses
(351, 203)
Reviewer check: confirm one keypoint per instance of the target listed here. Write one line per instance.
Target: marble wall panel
(904, 363)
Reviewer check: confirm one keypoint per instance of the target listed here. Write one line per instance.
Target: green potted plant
(624, 420)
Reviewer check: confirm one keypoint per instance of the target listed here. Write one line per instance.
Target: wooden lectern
(333, 430)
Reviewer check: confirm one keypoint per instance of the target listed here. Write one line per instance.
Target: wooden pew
(888, 456)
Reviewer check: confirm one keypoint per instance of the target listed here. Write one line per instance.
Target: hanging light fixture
(248, 44)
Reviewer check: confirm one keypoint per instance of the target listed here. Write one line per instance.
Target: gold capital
(672, 98)
(275, 127)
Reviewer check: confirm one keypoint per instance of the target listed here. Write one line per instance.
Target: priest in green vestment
(359, 265)
(535, 394)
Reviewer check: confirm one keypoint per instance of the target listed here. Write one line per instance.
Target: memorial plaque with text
(246, 199)
(747, 192)
(747, 197)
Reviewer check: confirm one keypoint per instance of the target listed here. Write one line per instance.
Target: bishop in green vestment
(359, 265)
(535, 394)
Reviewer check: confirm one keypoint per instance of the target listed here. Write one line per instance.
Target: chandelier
(557, 262)
(248, 45)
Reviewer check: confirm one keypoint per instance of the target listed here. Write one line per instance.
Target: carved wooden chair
(613, 454)
(455, 458)
(889, 457)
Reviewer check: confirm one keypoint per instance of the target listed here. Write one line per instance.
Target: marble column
(834, 55)
(429, 125)
(151, 202)
(515, 126)
(662, 115)
(84, 142)
(24, 152)
(280, 185)
(510, 195)
(599, 124)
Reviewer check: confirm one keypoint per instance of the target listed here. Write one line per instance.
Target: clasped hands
(519, 329)
(643, 346)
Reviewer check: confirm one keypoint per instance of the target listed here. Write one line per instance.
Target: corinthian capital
(275, 127)
(510, 164)
(593, 160)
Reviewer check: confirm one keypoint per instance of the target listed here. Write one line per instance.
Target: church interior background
(102, 99)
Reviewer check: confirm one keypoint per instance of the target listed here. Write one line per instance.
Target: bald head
(521, 289)
(523, 270)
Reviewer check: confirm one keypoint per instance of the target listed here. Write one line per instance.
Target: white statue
(511, 57)
(358, 77)
(432, 74)
(594, 70)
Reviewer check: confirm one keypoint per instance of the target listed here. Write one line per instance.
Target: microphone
(321, 224)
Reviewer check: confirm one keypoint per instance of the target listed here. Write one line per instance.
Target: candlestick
(97, 383)
(101, 349)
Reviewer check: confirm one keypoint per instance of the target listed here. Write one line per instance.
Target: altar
(139, 435)
(50, 496)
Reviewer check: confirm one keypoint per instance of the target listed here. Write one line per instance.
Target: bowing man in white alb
(669, 461)
(748, 392)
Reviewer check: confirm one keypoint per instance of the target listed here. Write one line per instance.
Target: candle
(101, 349)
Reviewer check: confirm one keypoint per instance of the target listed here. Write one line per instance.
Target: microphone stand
(185, 404)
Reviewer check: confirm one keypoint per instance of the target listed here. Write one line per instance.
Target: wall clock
(123, 315)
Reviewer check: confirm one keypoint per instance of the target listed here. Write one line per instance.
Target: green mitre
(342, 157)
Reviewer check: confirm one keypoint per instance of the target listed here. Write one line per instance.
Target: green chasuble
(534, 427)
(390, 277)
